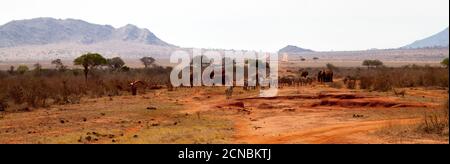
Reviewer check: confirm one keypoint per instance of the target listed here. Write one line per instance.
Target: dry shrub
(351, 84)
(36, 93)
(384, 79)
(436, 122)
(16, 93)
(33, 91)
(383, 83)
(3, 103)
(366, 82)
(67, 92)
(337, 85)
(68, 87)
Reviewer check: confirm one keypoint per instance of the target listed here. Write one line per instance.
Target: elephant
(304, 74)
(287, 81)
(325, 75)
(306, 81)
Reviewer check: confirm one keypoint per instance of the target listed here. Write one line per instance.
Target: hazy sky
(266, 25)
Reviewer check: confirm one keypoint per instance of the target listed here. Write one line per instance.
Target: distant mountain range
(293, 50)
(48, 39)
(438, 40)
(43, 31)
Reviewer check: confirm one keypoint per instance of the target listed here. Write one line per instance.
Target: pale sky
(266, 25)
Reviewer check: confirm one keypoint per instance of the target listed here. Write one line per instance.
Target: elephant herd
(294, 81)
(323, 76)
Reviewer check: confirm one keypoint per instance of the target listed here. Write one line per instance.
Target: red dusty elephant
(325, 75)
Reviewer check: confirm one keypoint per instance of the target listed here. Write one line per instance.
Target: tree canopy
(90, 61)
(22, 69)
(115, 63)
(148, 61)
(59, 65)
(445, 62)
(372, 63)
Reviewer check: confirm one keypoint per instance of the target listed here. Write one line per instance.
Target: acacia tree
(22, 69)
(148, 61)
(445, 62)
(89, 61)
(370, 63)
(115, 63)
(37, 68)
(59, 65)
(377, 63)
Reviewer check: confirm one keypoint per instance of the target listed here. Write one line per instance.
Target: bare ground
(312, 114)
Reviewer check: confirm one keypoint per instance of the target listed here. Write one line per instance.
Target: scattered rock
(289, 110)
(265, 106)
(238, 104)
(257, 127)
(357, 116)
(245, 111)
(95, 136)
(88, 138)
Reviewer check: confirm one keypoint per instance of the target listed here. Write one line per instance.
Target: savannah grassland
(59, 107)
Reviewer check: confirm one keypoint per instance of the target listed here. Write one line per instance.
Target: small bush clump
(436, 122)
(384, 79)
(3, 103)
